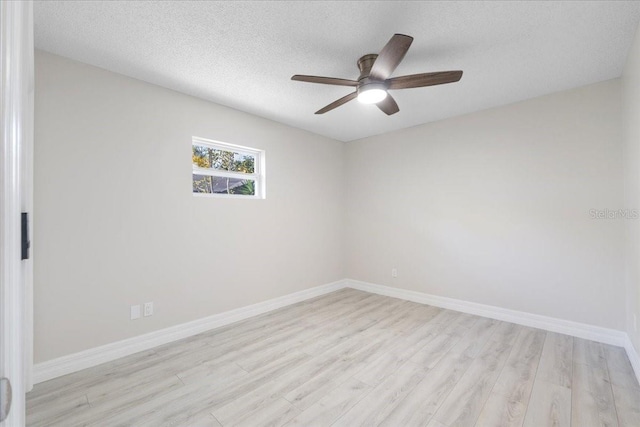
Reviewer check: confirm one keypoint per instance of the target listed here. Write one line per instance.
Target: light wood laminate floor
(352, 358)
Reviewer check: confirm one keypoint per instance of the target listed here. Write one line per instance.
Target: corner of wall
(631, 151)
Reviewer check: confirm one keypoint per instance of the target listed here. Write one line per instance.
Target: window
(226, 170)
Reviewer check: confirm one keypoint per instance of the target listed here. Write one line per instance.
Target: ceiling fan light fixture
(375, 78)
(372, 93)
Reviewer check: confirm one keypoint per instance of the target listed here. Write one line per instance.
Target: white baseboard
(85, 359)
(634, 358)
(567, 327)
(94, 356)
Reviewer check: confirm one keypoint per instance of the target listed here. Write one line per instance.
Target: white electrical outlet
(135, 312)
(394, 272)
(148, 309)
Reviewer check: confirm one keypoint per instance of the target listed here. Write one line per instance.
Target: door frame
(16, 148)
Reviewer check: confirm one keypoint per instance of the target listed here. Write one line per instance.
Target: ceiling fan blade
(325, 80)
(390, 57)
(339, 102)
(388, 105)
(424, 79)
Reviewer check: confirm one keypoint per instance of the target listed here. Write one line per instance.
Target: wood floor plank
(331, 407)
(476, 338)
(310, 392)
(620, 371)
(188, 420)
(617, 359)
(431, 353)
(250, 359)
(378, 404)
(415, 318)
(212, 370)
(194, 400)
(588, 409)
(516, 379)
(139, 384)
(276, 413)
(388, 363)
(206, 421)
(336, 334)
(323, 369)
(591, 378)
(591, 397)
(556, 362)
(263, 326)
(589, 353)
(420, 405)
(627, 406)
(550, 405)
(416, 339)
(77, 383)
(56, 413)
(352, 358)
(624, 379)
(342, 296)
(499, 411)
(465, 402)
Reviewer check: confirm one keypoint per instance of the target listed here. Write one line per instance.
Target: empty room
(314, 213)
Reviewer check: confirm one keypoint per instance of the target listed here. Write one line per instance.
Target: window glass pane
(202, 184)
(221, 185)
(213, 158)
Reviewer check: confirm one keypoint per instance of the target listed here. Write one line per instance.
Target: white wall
(631, 125)
(493, 207)
(116, 222)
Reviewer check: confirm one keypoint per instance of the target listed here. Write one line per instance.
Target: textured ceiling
(243, 54)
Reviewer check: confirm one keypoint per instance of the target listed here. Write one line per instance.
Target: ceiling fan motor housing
(365, 63)
(368, 84)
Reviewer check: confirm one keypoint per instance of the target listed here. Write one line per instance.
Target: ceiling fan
(374, 82)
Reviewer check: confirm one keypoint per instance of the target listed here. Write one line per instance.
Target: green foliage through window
(212, 158)
(209, 160)
(221, 185)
